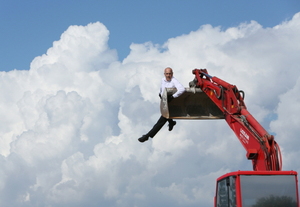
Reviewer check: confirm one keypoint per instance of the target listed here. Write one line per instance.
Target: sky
(28, 28)
(79, 85)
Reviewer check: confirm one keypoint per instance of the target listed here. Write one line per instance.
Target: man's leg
(159, 124)
(171, 124)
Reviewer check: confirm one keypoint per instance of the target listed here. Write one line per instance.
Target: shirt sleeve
(180, 88)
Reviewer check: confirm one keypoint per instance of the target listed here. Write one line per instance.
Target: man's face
(168, 74)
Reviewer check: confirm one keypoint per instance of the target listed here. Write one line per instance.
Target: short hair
(169, 68)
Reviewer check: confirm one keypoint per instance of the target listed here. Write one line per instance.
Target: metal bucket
(192, 104)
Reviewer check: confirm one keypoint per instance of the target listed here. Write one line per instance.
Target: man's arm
(180, 88)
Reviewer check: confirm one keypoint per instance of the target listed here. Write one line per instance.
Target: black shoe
(143, 138)
(171, 125)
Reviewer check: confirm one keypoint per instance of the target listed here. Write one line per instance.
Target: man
(167, 82)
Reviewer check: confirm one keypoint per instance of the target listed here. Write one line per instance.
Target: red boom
(260, 145)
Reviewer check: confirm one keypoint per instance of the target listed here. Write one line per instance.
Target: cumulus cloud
(70, 124)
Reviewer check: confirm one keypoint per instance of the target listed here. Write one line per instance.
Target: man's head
(168, 73)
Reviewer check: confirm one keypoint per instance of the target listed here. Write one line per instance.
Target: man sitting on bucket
(167, 82)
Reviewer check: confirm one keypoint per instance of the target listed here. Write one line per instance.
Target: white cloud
(70, 124)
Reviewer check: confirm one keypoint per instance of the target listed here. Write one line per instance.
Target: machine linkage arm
(260, 146)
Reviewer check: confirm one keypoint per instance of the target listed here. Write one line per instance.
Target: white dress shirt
(174, 83)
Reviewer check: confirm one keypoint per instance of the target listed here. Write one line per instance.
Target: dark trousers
(159, 124)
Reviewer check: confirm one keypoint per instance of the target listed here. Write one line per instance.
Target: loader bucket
(192, 104)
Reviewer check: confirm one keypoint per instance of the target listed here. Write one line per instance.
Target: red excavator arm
(261, 147)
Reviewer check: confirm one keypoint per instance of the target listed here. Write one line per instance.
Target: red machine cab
(257, 189)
